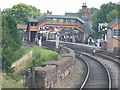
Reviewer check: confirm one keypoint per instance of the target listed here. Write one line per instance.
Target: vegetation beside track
(8, 82)
(25, 58)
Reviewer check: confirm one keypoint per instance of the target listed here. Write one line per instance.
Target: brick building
(74, 25)
(113, 36)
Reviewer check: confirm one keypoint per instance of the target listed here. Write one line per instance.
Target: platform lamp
(57, 49)
(57, 38)
(40, 36)
(47, 29)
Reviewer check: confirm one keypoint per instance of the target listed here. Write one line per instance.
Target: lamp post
(57, 40)
(40, 40)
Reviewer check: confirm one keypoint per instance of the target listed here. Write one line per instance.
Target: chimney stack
(84, 12)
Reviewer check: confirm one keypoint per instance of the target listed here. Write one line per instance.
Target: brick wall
(51, 73)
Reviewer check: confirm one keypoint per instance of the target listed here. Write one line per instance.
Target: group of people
(73, 39)
(96, 42)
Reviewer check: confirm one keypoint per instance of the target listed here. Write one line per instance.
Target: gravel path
(75, 79)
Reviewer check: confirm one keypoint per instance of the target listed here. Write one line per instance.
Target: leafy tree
(93, 10)
(112, 15)
(96, 20)
(23, 12)
(11, 40)
(7, 11)
(101, 15)
(49, 12)
(106, 9)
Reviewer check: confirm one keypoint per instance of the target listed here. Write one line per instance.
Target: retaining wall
(51, 73)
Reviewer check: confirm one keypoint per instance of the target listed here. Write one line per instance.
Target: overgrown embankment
(28, 57)
(34, 56)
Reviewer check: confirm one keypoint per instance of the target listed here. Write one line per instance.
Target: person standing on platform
(94, 51)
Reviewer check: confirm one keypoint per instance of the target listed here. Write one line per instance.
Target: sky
(58, 7)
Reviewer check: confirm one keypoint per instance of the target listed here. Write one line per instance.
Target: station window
(54, 20)
(76, 21)
(48, 19)
(116, 32)
(35, 24)
(32, 23)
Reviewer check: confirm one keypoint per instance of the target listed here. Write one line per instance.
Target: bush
(39, 56)
(8, 82)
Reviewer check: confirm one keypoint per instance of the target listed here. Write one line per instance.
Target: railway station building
(71, 26)
(113, 36)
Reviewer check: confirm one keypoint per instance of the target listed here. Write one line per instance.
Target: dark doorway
(33, 34)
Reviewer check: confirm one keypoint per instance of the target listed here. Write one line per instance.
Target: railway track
(110, 55)
(111, 58)
(106, 65)
(97, 75)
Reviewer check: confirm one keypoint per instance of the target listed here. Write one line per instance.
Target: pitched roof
(57, 16)
(72, 14)
(62, 17)
(114, 22)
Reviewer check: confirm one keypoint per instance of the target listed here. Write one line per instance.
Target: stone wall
(51, 73)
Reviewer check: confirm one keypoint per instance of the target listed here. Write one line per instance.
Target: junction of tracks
(91, 71)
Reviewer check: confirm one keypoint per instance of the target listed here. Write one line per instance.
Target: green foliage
(96, 20)
(106, 9)
(39, 56)
(0, 37)
(23, 12)
(11, 40)
(95, 13)
(9, 82)
(102, 15)
(92, 10)
(48, 12)
(112, 15)
(20, 53)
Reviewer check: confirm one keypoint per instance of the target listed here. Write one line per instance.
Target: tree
(112, 15)
(93, 10)
(49, 12)
(11, 41)
(96, 20)
(101, 15)
(23, 12)
(106, 9)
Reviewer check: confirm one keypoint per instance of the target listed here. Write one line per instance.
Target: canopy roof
(57, 17)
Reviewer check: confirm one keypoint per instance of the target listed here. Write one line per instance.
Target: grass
(25, 58)
(39, 55)
(7, 82)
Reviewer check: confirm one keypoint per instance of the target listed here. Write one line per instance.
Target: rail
(87, 75)
(108, 73)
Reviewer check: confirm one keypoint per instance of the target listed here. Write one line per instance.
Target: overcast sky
(58, 7)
